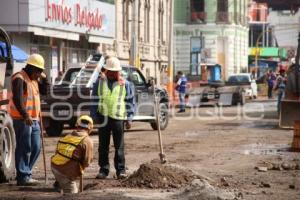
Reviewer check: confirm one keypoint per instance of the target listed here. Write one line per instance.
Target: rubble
(279, 166)
(201, 189)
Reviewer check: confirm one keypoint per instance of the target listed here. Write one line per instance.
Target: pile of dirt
(156, 175)
(201, 189)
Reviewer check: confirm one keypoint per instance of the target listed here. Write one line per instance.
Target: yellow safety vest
(112, 103)
(65, 149)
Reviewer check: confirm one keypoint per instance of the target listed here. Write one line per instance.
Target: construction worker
(74, 153)
(114, 105)
(24, 108)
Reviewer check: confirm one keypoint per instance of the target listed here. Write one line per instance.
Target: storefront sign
(79, 15)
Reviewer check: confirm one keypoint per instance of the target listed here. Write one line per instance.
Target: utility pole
(170, 53)
(134, 40)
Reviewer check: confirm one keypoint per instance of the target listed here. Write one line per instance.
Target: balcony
(222, 17)
(198, 17)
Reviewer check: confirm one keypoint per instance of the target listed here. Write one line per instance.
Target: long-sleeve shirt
(129, 99)
(19, 87)
(83, 154)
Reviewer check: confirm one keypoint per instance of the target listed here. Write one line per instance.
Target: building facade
(64, 32)
(145, 24)
(210, 32)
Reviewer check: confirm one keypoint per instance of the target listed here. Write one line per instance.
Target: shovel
(162, 156)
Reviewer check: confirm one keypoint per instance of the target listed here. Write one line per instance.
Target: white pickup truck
(232, 92)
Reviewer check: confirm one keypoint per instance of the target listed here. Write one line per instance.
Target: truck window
(84, 76)
(238, 79)
(70, 75)
(136, 78)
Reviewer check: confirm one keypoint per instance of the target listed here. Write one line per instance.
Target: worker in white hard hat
(114, 107)
(73, 154)
(24, 108)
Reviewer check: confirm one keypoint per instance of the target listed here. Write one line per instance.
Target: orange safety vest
(31, 98)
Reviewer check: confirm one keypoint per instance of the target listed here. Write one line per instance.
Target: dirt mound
(156, 175)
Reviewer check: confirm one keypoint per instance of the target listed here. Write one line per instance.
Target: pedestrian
(114, 107)
(280, 86)
(74, 153)
(271, 78)
(181, 89)
(24, 108)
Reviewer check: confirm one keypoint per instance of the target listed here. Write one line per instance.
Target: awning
(18, 54)
(268, 52)
(54, 33)
(102, 40)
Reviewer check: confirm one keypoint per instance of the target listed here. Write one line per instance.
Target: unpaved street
(226, 145)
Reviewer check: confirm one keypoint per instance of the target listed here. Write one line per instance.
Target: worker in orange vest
(24, 108)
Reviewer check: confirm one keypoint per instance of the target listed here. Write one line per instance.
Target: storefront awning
(268, 52)
(54, 33)
(97, 39)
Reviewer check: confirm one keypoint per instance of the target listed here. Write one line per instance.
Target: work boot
(122, 175)
(29, 182)
(101, 175)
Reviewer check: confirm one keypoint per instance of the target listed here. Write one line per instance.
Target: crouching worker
(74, 153)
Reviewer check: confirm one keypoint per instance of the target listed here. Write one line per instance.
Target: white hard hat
(113, 64)
(293, 60)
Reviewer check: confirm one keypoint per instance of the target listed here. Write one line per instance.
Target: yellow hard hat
(85, 121)
(36, 60)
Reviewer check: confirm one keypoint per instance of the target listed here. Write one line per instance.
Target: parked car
(232, 92)
(64, 103)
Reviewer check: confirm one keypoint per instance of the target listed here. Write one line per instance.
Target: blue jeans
(182, 101)
(28, 146)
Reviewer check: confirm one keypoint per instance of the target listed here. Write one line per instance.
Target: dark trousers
(116, 128)
(270, 90)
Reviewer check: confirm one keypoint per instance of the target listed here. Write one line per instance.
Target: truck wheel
(55, 128)
(7, 148)
(163, 118)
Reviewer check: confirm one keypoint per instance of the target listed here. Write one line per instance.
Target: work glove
(128, 124)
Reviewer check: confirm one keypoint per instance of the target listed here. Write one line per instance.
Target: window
(222, 5)
(139, 20)
(161, 21)
(126, 6)
(146, 21)
(197, 6)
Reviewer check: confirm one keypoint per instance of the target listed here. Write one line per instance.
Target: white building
(151, 25)
(286, 28)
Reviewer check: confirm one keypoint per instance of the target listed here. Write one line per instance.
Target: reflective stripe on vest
(31, 98)
(112, 103)
(65, 149)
